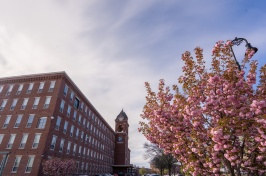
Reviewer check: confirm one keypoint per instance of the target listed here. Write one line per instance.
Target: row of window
(40, 124)
(83, 168)
(17, 162)
(82, 136)
(36, 141)
(85, 124)
(23, 141)
(92, 169)
(82, 151)
(79, 135)
(46, 105)
(25, 102)
(80, 106)
(29, 89)
(77, 103)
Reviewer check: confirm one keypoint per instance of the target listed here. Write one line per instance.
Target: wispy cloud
(110, 48)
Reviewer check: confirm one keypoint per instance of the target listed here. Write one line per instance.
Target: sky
(110, 48)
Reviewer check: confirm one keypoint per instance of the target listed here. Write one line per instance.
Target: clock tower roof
(123, 115)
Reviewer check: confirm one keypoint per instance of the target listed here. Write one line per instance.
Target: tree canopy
(217, 123)
(58, 167)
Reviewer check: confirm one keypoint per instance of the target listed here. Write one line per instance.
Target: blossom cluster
(217, 124)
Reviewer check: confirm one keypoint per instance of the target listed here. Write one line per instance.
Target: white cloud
(110, 48)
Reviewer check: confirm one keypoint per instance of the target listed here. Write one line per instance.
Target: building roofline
(59, 73)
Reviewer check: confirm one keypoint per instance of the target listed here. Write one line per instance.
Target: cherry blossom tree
(216, 124)
(58, 167)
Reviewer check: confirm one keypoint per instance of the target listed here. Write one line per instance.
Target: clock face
(120, 118)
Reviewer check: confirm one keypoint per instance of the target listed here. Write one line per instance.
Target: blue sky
(110, 48)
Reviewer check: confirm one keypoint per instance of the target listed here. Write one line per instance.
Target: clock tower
(122, 152)
(121, 123)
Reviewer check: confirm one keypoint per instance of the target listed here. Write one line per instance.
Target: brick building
(46, 115)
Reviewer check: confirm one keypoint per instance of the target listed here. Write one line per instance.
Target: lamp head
(249, 46)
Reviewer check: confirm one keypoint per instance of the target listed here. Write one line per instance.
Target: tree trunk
(169, 170)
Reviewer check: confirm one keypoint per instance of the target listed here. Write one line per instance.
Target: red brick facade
(54, 118)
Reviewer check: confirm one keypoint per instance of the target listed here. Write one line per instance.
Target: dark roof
(123, 114)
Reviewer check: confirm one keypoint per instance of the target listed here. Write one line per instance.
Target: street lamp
(238, 41)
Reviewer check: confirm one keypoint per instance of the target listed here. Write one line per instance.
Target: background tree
(58, 167)
(142, 171)
(159, 163)
(159, 159)
(218, 123)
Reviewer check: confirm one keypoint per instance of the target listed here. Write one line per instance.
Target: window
(68, 110)
(77, 133)
(23, 140)
(30, 120)
(65, 127)
(88, 153)
(9, 89)
(8, 117)
(74, 149)
(86, 110)
(84, 152)
(61, 145)
(72, 130)
(53, 142)
(3, 104)
(13, 104)
(82, 105)
(1, 88)
(86, 170)
(58, 121)
(30, 163)
(68, 147)
(80, 148)
(18, 121)
(77, 166)
(47, 102)
(81, 136)
(36, 140)
(11, 141)
(24, 104)
(1, 138)
(65, 90)
(74, 115)
(19, 89)
(80, 117)
(82, 166)
(41, 123)
(30, 88)
(71, 96)
(51, 88)
(36, 102)
(76, 103)
(84, 123)
(4, 158)
(88, 125)
(62, 106)
(16, 163)
(86, 138)
(41, 87)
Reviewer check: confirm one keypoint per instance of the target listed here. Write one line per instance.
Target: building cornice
(52, 76)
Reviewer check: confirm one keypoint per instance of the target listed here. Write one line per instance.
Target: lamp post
(238, 41)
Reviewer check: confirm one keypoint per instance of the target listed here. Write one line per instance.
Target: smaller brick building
(46, 115)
